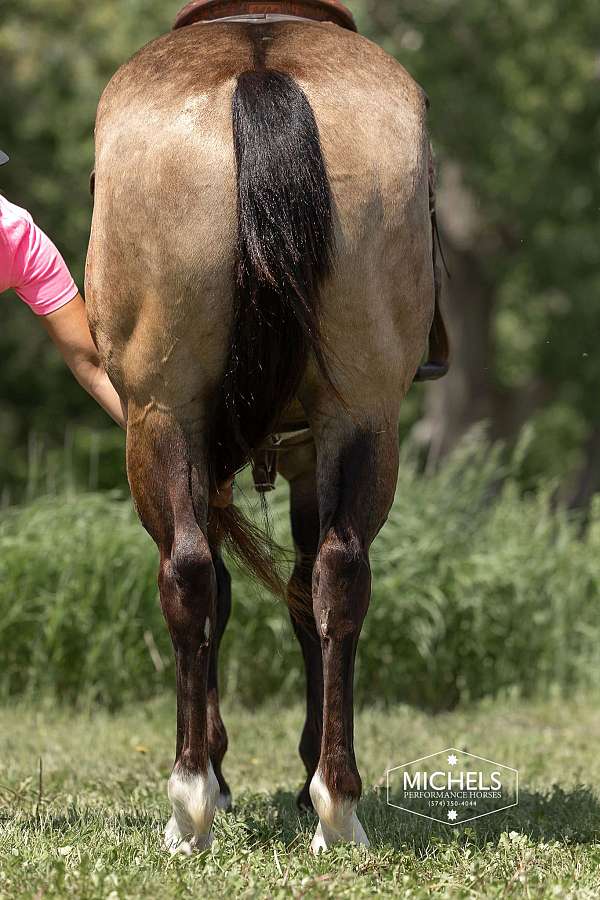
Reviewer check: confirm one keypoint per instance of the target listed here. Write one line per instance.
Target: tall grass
(477, 589)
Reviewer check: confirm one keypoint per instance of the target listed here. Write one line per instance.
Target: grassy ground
(96, 831)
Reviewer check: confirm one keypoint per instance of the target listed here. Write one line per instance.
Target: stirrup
(431, 371)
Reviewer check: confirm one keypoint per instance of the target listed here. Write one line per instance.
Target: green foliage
(56, 60)
(87, 459)
(515, 103)
(477, 590)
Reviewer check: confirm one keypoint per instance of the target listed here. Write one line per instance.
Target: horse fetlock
(194, 797)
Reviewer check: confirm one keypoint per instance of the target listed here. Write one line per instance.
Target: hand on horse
(68, 327)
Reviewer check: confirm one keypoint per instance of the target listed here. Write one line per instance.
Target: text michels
(425, 784)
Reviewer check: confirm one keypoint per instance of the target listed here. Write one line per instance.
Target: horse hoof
(173, 836)
(175, 842)
(318, 843)
(194, 798)
(224, 802)
(338, 822)
(325, 837)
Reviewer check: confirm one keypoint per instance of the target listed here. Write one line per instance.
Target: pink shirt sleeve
(39, 274)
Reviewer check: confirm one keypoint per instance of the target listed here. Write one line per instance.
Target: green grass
(95, 832)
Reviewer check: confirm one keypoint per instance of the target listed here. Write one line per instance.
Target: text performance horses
(261, 260)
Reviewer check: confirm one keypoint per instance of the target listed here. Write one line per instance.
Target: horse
(261, 263)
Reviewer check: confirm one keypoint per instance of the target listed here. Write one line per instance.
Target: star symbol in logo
(452, 814)
(452, 759)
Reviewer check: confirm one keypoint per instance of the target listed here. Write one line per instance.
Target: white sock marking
(337, 818)
(194, 799)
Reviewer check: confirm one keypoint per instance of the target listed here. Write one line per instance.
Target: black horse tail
(284, 253)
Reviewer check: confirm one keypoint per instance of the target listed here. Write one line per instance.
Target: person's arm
(68, 328)
(39, 275)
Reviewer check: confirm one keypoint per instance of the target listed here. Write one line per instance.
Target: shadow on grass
(571, 816)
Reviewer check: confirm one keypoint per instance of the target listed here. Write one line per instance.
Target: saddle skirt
(257, 10)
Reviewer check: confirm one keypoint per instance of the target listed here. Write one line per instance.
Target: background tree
(515, 118)
(56, 60)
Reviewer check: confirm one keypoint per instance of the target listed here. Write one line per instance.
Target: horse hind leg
(298, 467)
(171, 496)
(356, 481)
(217, 735)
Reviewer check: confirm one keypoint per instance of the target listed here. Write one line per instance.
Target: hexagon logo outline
(463, 753)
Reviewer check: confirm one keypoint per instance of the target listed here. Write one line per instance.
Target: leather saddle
(257, 10)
